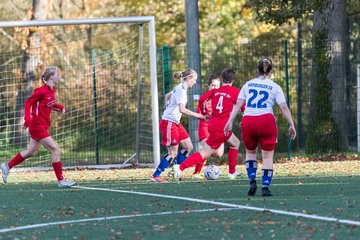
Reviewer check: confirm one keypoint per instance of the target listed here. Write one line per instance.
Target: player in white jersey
(258, 125)
(173, 133)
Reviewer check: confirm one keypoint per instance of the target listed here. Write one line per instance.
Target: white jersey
(260, 95)
(172, 111)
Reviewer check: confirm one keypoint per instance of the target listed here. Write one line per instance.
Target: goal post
(114, 74)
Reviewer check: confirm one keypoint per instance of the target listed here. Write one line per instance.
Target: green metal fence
(101, 90)
(293, 66)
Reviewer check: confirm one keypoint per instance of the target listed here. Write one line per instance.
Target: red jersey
(39, 105)
(222, 103)
(204, 109)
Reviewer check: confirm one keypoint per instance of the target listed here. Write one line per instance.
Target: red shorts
(203, 131)
(217, 137)
(38, 132)
(172, 133)
(259, 130)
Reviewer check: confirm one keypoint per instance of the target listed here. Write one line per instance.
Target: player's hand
(228, 128)
(26, 125)
(63, 111)
(292, 132)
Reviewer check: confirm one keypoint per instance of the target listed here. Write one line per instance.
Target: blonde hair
(184, 74)
(49, 71)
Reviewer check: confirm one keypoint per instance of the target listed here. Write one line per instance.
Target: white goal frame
(150, 20)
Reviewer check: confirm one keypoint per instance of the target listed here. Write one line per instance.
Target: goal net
(109, 90)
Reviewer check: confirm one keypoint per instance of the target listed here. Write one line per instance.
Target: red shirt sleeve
(38, 94)
(202, 100)
(57, 107)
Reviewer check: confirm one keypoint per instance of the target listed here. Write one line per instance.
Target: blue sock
(266, 177)
(181, 156)
(164, 163)
(251, 167)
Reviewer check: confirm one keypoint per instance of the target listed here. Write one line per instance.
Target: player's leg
(197, 157)
(170, 139)
(267, 142)
(185, 143)
(187, 147)
(233, 154)
(199, 166)
(218, 152)
(267, 171)
(249, 135)
(203, 133)
(33, 148)
(55, 151)
(251, 169)
(165, 162)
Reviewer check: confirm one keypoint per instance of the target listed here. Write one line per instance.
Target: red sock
(16, 160)
(198, 167)
(232, 159)
(191, 161)
(58, 170)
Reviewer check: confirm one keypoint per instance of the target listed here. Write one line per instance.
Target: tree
(31, 61)
(327, 123)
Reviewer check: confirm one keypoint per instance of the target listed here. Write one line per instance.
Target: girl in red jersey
(258, 125)
(222, 102)
(203, 132)
(37, 118)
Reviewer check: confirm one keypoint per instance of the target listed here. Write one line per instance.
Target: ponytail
(265, 66)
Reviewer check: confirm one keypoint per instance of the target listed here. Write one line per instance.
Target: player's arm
(187, 112)
(235, 111)
(36, 96)
(201, 103)
(287, 114)
(167, 98)
(58, 108)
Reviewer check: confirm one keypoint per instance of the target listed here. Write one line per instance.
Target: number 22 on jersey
(255, 102)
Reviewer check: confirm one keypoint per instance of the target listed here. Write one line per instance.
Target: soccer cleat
(198, 176)
(266, 192)
(177, 172)
(235, 175)
(171, 173)
(253, 187)
(65, 183)
(5, 171)
(157, 179)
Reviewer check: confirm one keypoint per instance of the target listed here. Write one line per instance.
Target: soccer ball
(212, 172)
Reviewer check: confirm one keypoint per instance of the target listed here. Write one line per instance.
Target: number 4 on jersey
(219, 105)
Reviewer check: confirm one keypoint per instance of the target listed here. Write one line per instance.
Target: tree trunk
(31, 61)
(328, 88)
(337, 73)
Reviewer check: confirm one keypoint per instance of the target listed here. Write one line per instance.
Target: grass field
(312, 200)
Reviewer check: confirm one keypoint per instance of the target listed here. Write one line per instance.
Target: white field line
(280, 212)
(229, 205)
(39, 225)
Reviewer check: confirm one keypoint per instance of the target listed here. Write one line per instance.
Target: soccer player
(37, 118)
(222, 103)
(172, 131)
(258, 125)
(203, 132)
